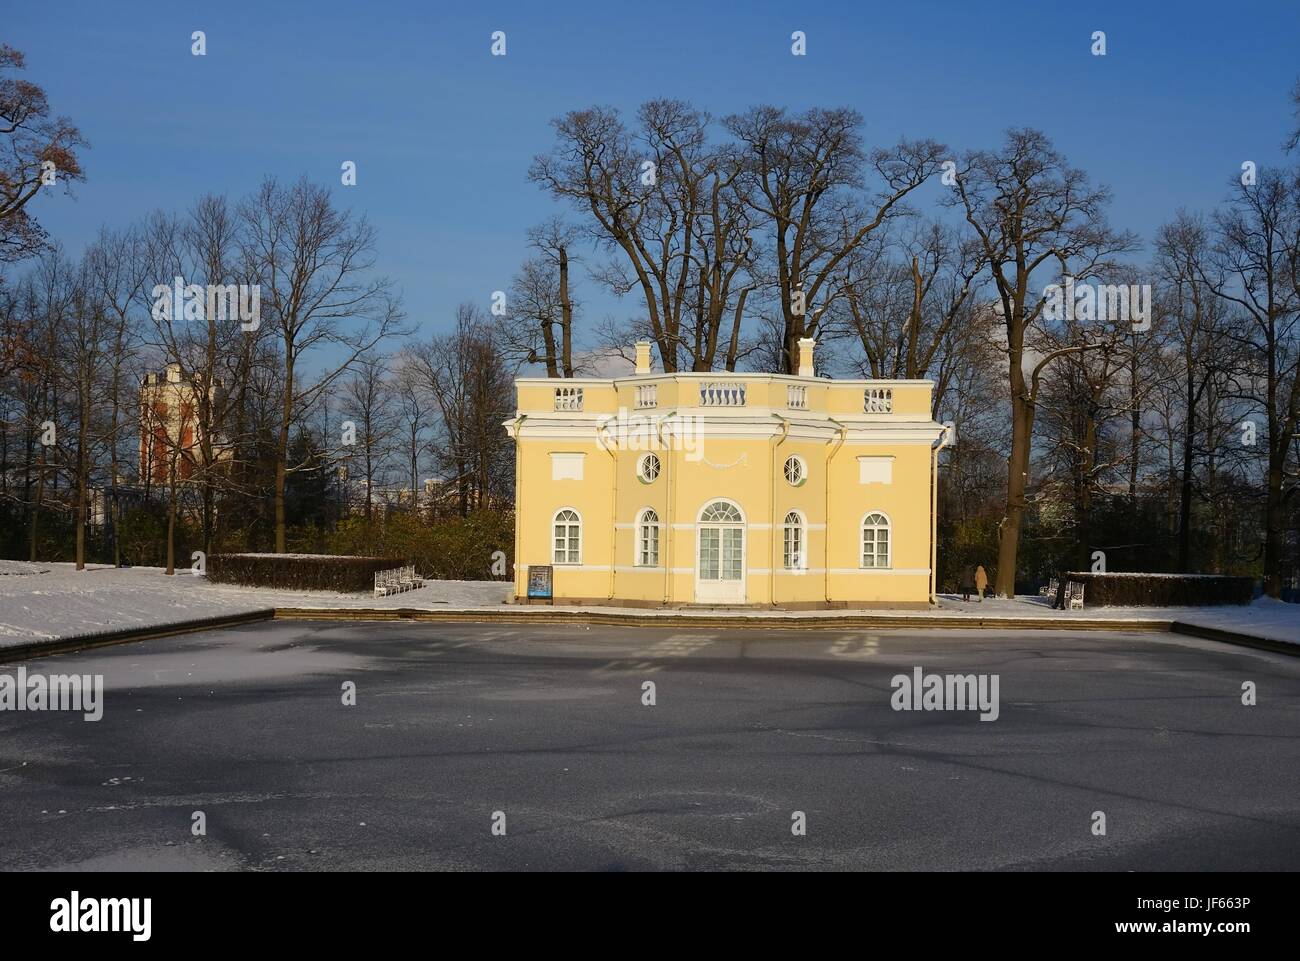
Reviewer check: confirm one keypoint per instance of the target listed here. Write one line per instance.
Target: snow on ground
(48, 601)
(1266, 617)
(64, 602)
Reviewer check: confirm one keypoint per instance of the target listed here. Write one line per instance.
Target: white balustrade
(878, 400)
(715, 393)
(568, 398)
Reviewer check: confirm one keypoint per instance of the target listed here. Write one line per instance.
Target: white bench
(396, 580)
(1074, 595)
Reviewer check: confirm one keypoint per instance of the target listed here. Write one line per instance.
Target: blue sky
(443, 133)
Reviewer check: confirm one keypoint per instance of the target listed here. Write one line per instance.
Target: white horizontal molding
(880, 570)
(751, 572)
(723, 423)
(746, 527)
(631, 526)
(729, 376)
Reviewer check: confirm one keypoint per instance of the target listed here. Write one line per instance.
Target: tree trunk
(208, 513)
(548, 346)
(282, 452)
(83, 498)
(914, 321)
(1022, 422)
(566, 315)
(36, 506)
(1083, 541)
(1275, 524)
(171, 524)
(83, 484)
(1135, 427)
(1185, 503)
(415, 461)
(733, 346)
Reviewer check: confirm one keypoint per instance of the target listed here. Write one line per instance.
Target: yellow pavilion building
(724, 489)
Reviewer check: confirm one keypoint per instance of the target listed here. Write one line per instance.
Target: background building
(170, 427)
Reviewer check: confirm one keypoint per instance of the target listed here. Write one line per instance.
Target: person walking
(981, 582)
(967, 584)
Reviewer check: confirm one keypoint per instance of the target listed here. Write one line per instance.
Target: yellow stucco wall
(734, 452)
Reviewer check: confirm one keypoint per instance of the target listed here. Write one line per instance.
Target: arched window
(721, 512)
(875, 540)
(647, 539)
(568, 537)
(793, 551)
(721, 543)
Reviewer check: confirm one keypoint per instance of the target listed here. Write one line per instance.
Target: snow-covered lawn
(46, 601)
(1266, 618)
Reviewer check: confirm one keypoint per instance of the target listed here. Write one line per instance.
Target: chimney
(643, 356)
(806, 356)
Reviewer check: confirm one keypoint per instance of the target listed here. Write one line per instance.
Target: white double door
(720, 566)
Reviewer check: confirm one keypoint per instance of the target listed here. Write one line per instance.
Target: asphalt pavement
(479, 747)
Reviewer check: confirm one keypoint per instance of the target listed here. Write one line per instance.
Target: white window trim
(554, 519)
(862, 541)
(803, 470)
(699, 516)
(742, 525)
(636, 539)
(640, 467)
(802, 526)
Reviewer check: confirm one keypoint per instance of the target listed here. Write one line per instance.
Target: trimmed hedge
(299, 572)
(1158, 590)
(453, 549)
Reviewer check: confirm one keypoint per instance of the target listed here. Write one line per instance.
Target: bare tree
(313, 263)
(1031, 210)
(87, 350)
(1083, 401)
(37, 150)
(665, 199)
(45, 304)
(539, 327)
(212, 350)
(805, 176)
(117, 270)
(1257, 256)
(909, 302)
(463, 373)
(412, 414)
(366, 401)
(1183, 265)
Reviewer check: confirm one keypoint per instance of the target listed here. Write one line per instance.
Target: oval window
(795, 472)
(649, 468)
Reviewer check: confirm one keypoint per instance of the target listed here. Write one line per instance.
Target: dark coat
(966, 585)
